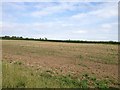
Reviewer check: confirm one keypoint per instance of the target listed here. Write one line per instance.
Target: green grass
(16, 75)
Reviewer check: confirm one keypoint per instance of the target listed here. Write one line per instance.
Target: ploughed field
(41, 64)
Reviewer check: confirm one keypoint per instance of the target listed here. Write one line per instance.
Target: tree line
(67, 41)
(20, 38)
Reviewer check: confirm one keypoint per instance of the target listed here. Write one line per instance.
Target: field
(41, 64)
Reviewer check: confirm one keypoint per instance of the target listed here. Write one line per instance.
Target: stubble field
(40, 64)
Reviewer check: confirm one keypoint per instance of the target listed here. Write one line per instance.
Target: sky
(61, 20)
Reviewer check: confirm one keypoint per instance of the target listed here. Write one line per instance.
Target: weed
(80, 56)
(20, 84)
(101, 84)
(84, 84)
(49, 71)
(18, 62)
(83, 65)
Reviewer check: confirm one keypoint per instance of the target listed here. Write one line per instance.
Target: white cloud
(15, 5)
(109, 26)
(79, 16)
(0, 27)
(106, 12)
(80, 31)
(106, 26)
(103, 11)
(59, 0)
(61, 7)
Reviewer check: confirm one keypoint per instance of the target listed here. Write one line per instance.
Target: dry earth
(100, 60)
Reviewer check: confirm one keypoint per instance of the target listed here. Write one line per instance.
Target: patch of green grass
(109, 59)
(17, 75)
(101, 84)
(93, 81)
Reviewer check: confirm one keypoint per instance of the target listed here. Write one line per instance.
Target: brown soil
(63, 59)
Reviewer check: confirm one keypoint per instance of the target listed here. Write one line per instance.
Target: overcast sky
(61, 20)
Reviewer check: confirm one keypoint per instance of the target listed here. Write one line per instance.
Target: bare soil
(100, 60)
